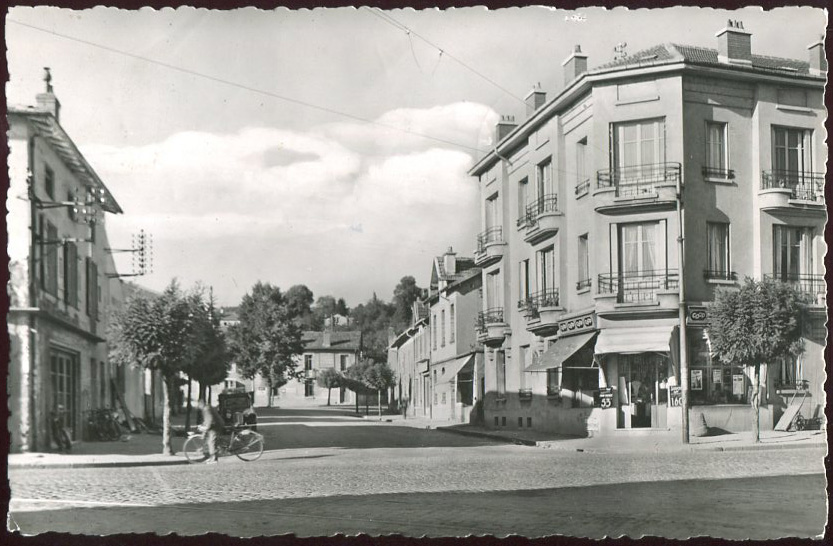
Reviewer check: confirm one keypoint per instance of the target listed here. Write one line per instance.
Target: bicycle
(246, 444)
(60, 435)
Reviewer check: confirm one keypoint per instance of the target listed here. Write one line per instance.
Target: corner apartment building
(586, 205)
(453, 380)
(63, 282)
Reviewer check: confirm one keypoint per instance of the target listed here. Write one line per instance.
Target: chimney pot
(734, 44)
(504, 127)
(818, 60)
(48, 101)
(535, 99)
(575, 65)
(450, 262)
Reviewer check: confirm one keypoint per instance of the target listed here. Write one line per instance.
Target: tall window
(544, 179)
(554, 381)
(522, 352)
(523, 280)
(792, 252)
(71, 274)
(583, 262)
(791, 154)
(49, 181)
(50, 271)
(434, 331)
(546, 269)
(451, 324)
(92, 288)
(637, 145)
(493, 290)
(442, 328)
(716, 161)
(638, 248)
(342, 362)
(308, 364)
(500, 372)
(523, 199)
(581, 164)
(492, 212)
(717, 241)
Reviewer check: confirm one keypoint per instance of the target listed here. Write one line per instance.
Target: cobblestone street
(422, 485)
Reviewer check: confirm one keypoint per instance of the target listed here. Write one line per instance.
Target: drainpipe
(683, 338)
(28, 409)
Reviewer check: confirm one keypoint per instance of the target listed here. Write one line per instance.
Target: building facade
(661, 177)
(322, 350)
(453, 380)
(63, 282)
(408, 357)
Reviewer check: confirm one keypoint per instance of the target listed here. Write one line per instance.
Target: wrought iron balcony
(583, 187)
(638, 287)
(804, 185)
(638, 180)
(584, 283)
(542, 298)
(720, 275)
(493, 315)
(714, 172)
(492, 235)
(544, 204)
(811, 286)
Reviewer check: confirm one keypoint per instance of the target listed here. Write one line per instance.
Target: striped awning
(562, 350)
(648, 339)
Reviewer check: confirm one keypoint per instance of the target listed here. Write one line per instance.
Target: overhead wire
(245, 87)
(391, 21)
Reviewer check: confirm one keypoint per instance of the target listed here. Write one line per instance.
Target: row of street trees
(365, 377)
(177, 333)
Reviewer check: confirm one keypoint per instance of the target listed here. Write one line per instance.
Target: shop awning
(454, 367)
(649, 339)
(563, 349)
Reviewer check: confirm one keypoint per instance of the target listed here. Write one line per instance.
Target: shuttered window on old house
(92, 288)
(71, 274)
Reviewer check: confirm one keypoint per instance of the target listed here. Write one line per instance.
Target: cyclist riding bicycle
(213, 425)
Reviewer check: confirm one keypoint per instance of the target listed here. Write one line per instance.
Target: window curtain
(717, 235)
(649, 247)
(716, 146)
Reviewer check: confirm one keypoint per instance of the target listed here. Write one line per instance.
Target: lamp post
(684, 375)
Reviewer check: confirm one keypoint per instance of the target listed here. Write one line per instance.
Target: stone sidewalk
(145, 449)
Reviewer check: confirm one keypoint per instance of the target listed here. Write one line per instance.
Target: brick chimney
(535, 99)
(818, 61)
(48, 101)
(450, 261)
(574, 66)
(734, 44)
(504, 127)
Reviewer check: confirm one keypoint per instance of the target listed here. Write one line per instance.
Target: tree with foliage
(404, 296)
(756, 326)
(266, 340)
(353, 379)
(299, 300)
(212, 360)
(373, 319)
(329, 379)
(341, 307)
(373, 376)
(158, 333)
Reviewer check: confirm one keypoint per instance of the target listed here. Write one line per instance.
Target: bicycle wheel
(247, 445)
(195, 449)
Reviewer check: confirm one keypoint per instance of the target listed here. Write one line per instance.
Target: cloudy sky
(325, 147)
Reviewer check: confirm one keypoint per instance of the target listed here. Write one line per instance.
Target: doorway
(643, 391)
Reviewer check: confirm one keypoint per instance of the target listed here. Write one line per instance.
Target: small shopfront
(641, 363)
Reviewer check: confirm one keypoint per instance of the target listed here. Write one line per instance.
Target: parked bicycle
(246, 444)
(59, 433)
(103, 425)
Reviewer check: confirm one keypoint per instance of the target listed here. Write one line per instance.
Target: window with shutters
(71, 274)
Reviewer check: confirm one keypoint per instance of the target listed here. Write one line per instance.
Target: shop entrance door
(643, 381)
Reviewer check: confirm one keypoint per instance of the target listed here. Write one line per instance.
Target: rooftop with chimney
(332, 341)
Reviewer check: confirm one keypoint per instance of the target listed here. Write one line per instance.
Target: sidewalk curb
(105, 464)
(499, 437)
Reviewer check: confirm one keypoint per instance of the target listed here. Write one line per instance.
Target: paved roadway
(331, 474)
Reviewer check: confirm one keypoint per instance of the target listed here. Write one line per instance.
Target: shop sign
(605, 398)
(675, 396)
(697, 315)
(576, 325)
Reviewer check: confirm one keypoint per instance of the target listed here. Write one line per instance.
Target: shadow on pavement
(370, 436)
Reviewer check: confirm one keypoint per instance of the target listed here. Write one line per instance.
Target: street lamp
(684, 379)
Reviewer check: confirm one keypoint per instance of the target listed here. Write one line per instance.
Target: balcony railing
(492, 235)
(583, 187)
(545, 203)
(487, 317)
(638, 287)
(542, 298)
(811, 286)
(716, 172)
(584, 283)
(805, 185)
(525, 394)
(720, 275)
(638, 180)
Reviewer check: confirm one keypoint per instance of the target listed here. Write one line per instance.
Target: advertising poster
(717, 376)
(737, 384)
(697, 380)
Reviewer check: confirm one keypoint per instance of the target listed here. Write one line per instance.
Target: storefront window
(713, 382)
